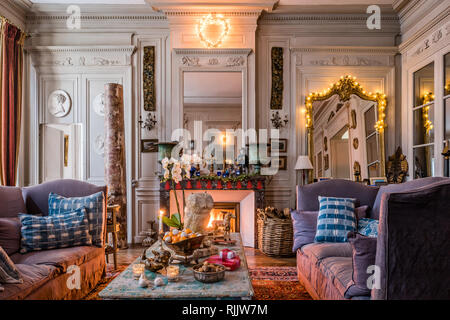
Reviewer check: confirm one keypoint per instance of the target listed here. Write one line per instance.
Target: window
(423, 122)
(447, 110)
(372, 143)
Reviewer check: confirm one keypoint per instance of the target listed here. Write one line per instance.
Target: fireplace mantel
(255, 184)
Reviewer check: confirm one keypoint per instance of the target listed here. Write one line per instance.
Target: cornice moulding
(59, 49)
(212, 52)
(343, 50)
(322, 18)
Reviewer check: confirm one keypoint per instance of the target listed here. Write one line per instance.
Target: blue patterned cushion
(368, 227)
(94, 206)
(8, 271)
(56, 231)
(336, 218)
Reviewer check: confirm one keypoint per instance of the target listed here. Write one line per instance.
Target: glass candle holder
(173, 273)
(138, 269)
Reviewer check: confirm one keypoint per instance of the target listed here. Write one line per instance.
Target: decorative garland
(241, 178)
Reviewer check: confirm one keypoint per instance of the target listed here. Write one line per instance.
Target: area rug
(269, 283)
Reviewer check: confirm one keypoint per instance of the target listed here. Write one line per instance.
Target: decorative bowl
(209, 277)
(186, 247)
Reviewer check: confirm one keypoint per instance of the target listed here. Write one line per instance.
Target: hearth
(220, 209)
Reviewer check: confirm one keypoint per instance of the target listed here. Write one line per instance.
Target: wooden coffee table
(236, 284)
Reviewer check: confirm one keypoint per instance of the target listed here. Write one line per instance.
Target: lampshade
(303, 163)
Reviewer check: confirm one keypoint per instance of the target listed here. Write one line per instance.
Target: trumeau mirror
(213, 98)
(346, 131)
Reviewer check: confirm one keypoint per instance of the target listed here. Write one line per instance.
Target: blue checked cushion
(8, 271)
(336, 218)
(368, 227)
(94, 206)
(56, 231)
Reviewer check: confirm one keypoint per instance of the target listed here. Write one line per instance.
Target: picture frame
(278, 145)
(282, 165)
(378, 181)
(149, 145)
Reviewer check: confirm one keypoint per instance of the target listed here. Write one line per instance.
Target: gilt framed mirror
(337, 117)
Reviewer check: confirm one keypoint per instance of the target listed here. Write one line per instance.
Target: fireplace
(220, 209)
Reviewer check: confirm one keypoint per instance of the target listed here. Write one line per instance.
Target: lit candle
(138, 269)
(161, 214)
(173, 272)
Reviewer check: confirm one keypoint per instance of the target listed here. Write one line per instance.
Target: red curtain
(11, 101)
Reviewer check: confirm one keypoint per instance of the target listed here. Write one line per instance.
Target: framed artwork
(378, 181)
(278, 145)
(282, 165)
(149, 145)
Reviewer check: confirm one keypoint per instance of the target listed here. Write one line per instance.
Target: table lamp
(303, 163)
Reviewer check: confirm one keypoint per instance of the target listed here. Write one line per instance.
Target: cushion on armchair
(56, 231)
(364, 250)
(10, 235)
(368, 227)
(336, 218)
(305, 225)
(94, 205)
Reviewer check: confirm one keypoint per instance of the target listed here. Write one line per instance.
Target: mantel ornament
(213, 21)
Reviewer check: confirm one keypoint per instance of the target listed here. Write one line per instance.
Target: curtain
(11, 76)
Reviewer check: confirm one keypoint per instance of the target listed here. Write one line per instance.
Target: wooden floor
(255, 258)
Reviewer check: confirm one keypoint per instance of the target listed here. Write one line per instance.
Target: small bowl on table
(209, 277)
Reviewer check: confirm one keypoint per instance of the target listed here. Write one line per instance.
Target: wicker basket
(275, 236)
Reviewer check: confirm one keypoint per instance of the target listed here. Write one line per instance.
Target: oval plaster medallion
(59, 103)
(99, 145)
(99, 104)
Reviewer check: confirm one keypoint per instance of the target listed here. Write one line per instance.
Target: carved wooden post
(115, 154)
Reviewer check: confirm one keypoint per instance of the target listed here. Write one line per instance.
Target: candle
(173, 272)
(138, 269)
(161, 214)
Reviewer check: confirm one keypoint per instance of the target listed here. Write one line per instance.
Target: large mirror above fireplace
(346, 131)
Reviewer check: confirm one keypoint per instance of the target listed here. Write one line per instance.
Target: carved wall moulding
(348, 61)
(276, 98)
(76, 56)
(149, 79)
(59, 103)
(99, 104)
(430, 41)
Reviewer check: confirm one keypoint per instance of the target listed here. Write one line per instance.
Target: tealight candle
(173, 272)
(161, 214)
(138, 269)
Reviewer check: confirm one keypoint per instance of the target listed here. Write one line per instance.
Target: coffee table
(236, 284)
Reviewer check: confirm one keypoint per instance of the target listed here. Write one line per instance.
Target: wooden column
(115, 155)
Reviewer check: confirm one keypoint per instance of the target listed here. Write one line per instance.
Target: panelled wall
(109, 48)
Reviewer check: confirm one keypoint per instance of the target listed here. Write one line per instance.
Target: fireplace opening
(220, 209)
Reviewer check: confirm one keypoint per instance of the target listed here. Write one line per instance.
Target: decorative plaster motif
(276, 99)
(99, 145)
(346, 61)
(190, 61)
(235, 61)
(59, 103)
(429, 42)
(149, 79)
(99, 104)
(213, 61)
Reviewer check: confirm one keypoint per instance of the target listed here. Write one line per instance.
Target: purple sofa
(413, 247)
(44, 272)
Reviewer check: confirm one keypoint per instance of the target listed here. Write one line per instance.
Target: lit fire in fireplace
(213, 215)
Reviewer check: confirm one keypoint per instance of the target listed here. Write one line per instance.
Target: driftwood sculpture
(197, 212)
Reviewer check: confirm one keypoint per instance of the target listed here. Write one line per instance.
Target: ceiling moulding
(362, 50)
(321, 19)
(81, 56)
(212, 6)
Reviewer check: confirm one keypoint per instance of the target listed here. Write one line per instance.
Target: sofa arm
(413, 251)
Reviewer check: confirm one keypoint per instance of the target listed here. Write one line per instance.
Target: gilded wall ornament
(355, 143)
(353, 115)
(325, 143)
(149, 79)
(357, 171)
(397, 167)
(276, 99)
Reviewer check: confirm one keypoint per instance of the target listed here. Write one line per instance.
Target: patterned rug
(269, 283)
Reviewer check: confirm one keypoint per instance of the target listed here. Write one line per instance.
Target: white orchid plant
(175, 170)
